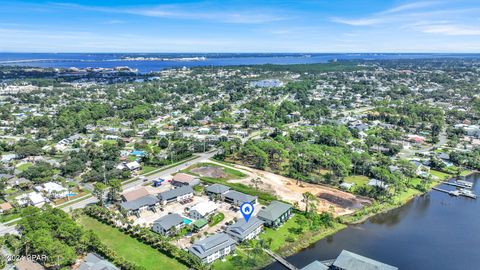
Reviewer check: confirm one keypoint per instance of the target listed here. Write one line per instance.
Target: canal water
(432, 232)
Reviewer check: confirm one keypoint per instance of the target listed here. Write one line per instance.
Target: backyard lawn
(440, 175)
(130, 248)
(359, 180)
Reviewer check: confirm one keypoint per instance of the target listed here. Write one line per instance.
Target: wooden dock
(462, 192)
(449, 192)
(280, 259)
(456, 185)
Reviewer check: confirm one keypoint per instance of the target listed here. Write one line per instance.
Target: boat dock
(458, 184)
(468, 193)
(449, 192)
(462, 192)
(280, 259)
(465, 183)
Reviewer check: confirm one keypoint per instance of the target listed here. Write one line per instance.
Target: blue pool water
(187, 221)
(71, 194)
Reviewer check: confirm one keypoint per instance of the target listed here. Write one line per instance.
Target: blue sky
(240, 26)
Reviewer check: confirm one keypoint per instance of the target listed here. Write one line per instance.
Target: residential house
(96, 262)
(52, 190)
(421, 169)
(243, 230)
(180, 194)
(377, 183)
(8, 157)
(416, 139)
(32, 198)
(137, 206)
(5, 207)
(213, 247)
(216, 189)
(315, 265)
(183, 179)
(133, 166)
(135, 194)
(346, 185)
(238, 198)
(166, 224)
(202, 210)
(275, 214)
(350, 261)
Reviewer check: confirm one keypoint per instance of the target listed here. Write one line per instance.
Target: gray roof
(377, 183)
(173, 193)
(242, 228)
(211, 244)
(274, 211)
(350, 261)
(96, 262)
(315, 265)
(217, 188)
(148, 200)
(239, 196)
(169, 221)
(6, 176)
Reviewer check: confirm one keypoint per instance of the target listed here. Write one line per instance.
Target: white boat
(465, 183)
(468, 193)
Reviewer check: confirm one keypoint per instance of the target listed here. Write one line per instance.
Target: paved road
(4, 229)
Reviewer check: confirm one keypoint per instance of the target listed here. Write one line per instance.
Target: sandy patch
(328, 199)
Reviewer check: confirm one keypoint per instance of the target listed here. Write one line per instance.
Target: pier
(449, 192)
(457, 184)
(280, 259)
(462, 192)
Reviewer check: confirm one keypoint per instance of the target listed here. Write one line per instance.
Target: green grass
(359, 180)
(230, 173)
(280, 234)
(132, 158)
(170, 166)
(24, 166)
(465, 172)
(263, 197)
(108, 142)
(440, 175)
(147, 169)
(8, 217)
(261, 260)
(216, 219)
(130, 248)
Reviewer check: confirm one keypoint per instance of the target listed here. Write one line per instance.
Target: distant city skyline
(240, 26)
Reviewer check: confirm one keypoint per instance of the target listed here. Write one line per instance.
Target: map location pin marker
(247, 210)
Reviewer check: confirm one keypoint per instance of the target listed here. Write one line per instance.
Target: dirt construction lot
(328, 199)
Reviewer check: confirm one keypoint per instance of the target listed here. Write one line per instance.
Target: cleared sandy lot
(328, 199)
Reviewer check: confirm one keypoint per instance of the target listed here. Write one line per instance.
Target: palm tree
(307, 197)
(256, 181)
(115, 188)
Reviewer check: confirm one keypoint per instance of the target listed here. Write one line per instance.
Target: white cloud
(410, 6)
(359, 22)
(425, 17)
(450, 30)
(189, 12)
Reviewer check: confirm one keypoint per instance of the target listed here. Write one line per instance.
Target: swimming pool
(71, 194)
(187, 221)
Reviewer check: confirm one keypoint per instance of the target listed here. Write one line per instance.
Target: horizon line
(186, 52)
